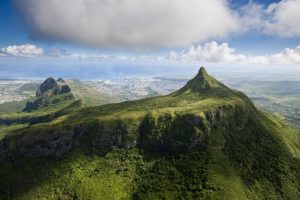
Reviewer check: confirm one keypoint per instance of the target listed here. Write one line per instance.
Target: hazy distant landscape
(280, 97)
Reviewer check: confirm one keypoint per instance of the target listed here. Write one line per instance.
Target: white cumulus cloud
(212, 52)
(287, 56)
(277, 19)
(129, 23)
(223, 53)
(285, 17)
(155, 23)
(25, 50)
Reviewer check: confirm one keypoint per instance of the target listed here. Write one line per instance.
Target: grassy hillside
(204, 141)
(89, 96)
(29, 88)
(15, 106)
(53, 99)
(14, 121)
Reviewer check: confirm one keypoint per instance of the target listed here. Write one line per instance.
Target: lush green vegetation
(52, 110)
(10, 122)
(11, 107)
(204, 141)
(89, 96)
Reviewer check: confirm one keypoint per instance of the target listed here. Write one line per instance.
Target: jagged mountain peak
(48, 84)
(53, 87)
(202, 83)
(61, 80)
(50, 92)
(202, 72)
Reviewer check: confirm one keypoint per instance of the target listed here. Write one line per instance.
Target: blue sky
(84, 39)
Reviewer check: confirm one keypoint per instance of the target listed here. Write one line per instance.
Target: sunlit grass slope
(89, 96)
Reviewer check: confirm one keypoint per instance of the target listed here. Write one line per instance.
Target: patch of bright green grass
(89, 96)
(10, 107)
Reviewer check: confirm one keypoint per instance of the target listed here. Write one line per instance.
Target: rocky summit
(52, 87)
(60, 80)
(49, 92)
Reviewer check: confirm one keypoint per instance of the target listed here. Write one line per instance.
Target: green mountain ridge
(53, 99)
(204, 141)
(203, 83)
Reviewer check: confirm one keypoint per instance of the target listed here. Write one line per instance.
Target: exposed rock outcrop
(60, 80)
(52, 87)
(49, 93)
(47, 85)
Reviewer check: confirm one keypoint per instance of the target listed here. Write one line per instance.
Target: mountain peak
(202, 83)
(48, 84)
(202, 72)
(49, 93)
(53, 87)
(60, 80)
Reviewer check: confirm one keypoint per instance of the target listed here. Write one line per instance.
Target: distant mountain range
(203, 141)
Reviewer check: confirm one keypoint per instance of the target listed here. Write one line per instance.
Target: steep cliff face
(157, 132)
